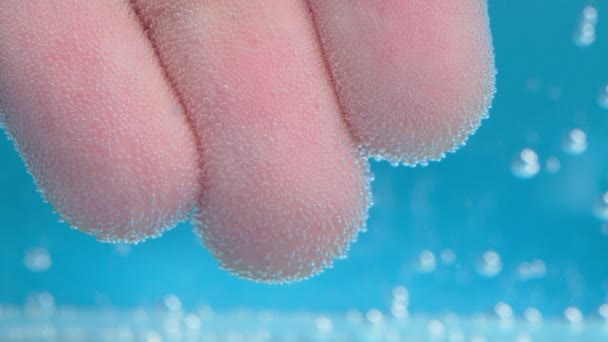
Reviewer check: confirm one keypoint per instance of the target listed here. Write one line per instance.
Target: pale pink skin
(253, 114)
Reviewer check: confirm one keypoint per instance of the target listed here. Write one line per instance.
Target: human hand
(255, 115)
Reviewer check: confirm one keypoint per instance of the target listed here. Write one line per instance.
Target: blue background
(470, 203)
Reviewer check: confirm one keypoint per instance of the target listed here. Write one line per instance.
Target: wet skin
(253, 117)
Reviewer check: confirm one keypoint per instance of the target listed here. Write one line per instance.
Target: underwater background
(511, 228)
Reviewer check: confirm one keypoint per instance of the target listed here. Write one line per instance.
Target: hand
(255, 117)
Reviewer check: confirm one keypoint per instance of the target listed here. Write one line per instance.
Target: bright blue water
(469, 203)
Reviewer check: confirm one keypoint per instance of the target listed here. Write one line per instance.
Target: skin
(255, 118)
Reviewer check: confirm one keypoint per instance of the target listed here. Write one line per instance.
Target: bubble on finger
(89, 111)
(411, 90)
(285, 192)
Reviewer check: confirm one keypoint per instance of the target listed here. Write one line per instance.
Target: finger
(414, 77)
(89, 110)
(284, 191)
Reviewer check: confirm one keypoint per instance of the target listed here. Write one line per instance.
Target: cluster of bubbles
(489, 265)
(526, 163)
(427, 260)
(400, 302)
(41, 320)
(584, 34)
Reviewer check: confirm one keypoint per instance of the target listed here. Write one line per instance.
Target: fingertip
(284, 191)
(415, 78)
(93, 119)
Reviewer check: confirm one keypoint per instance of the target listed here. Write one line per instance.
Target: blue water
(470, 203)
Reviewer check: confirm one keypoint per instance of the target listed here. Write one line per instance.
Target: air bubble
(490, 264)
(324, 324)
(590, 15)
(603, 311)
(585, 35)
(37, 259)
(576, 142)
(448, 257)
(525, 165)
(503, 311)
(374, 316)
(602, 98)
(172, 303)
(193, 322)
(573, 315)
(436, 328)
(401, 294)
(600, 209)
(533, 315)
(427, 261)
(399, 310)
